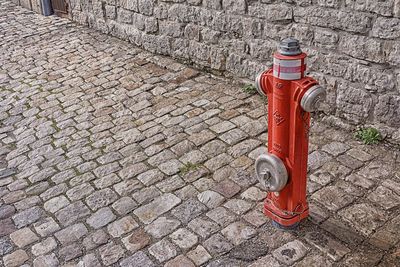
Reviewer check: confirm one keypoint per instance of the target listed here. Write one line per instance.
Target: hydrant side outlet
(283, 170)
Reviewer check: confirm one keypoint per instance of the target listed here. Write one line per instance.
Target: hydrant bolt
(289, 47)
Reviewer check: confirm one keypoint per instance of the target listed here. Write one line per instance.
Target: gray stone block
(26, 3)
(387, 110)
(36, 6)
(349, 21)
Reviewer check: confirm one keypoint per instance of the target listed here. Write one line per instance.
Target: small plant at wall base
(369, 135)
(249, 88)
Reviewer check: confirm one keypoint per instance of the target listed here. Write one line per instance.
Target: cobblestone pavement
(112, 156)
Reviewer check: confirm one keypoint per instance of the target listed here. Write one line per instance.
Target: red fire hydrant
(283, 170)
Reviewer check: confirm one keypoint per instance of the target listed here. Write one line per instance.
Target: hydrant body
(283, 171)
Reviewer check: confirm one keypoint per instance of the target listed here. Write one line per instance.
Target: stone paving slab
(112, 156)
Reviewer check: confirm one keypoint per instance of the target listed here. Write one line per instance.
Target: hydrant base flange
(293, 227)
(286, 219)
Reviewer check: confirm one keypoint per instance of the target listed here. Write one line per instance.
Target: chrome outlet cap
(271, 172)
(258, 84)
(313, 98)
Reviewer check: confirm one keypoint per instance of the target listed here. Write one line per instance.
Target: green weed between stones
(369, 135)
(187, 167)
(249, 88)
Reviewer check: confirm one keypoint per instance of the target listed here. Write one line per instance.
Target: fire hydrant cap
(311, 100)
(258, 84)
(271, 172)
(289, 47)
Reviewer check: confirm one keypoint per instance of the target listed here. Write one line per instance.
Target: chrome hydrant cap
(289, 47)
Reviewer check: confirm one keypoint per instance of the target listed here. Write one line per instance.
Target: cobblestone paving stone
(112, 156)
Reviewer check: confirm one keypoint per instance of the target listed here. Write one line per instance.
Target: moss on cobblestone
(187, 167)
(249, 88)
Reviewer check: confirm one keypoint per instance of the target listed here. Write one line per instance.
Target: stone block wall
(34, 5)
(353, 45)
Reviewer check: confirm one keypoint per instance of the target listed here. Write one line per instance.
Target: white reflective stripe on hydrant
(288, 69)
